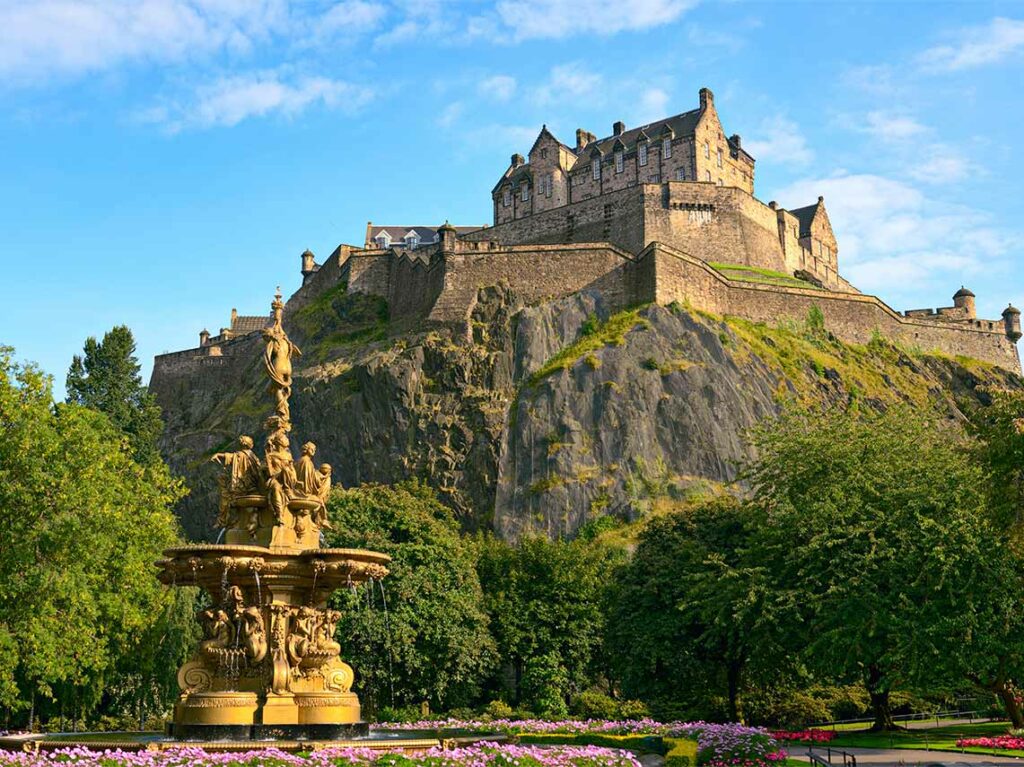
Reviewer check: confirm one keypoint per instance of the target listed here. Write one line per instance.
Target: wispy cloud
(45, 38)
(497, 87)
(974, 47)
(556, 19)
(897, 241)
(231, 100)
(888, 126)
(567, 83)
(451, 114)
(779, 140)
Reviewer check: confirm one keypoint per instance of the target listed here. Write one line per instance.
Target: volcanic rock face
(549, 415)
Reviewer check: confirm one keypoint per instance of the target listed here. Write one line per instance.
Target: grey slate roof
(426, 233)
(244, 324)
(805, 216)
(681, 125)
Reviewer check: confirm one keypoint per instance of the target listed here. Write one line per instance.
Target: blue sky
(162, 161)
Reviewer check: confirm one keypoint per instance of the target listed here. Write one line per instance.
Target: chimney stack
(736, 140)
(618, 128)
(706, 98)
(517, 160)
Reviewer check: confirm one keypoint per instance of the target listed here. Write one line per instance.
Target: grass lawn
(935, 738)
(744, 273)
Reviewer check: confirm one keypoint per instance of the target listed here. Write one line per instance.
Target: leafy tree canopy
(876, 538)
(429, 642)
(81, 523)
(106, 378)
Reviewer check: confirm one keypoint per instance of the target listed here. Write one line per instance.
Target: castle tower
(964, 299)
(1011, 321)
(446, 237)
(308, 264)
(204, 337)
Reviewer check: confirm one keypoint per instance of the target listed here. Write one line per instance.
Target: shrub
(498, 709)
(633, 709)
(848, 702)
(784, 708)
(544, 685)
(595, 705)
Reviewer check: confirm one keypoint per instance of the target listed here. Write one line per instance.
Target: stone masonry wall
(851, 317)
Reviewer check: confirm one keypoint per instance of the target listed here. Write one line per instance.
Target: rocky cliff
(550, 414)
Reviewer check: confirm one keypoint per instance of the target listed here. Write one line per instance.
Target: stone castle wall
(852, 317)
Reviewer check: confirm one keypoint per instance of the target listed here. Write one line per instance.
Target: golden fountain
(268, 665)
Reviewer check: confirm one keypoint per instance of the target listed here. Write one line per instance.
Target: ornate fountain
(268, 665)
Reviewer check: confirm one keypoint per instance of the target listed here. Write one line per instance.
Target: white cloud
(890, 127)
(895, 240)
(653, 105)
(779, 140)
(350, 16)
(43, 38)
(533, 19)
(568, 83)
(498, 87)
(230, 100)
(451, 114)
(940, 164)
(976, 46)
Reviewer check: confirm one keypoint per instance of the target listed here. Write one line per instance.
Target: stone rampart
(852, 317)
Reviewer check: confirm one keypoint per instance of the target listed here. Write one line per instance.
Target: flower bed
(804, 736)
(475, 756)
(1000, 742)
(718, 744)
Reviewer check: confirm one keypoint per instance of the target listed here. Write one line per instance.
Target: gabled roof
(399, 233)
(681, 125)
(806, 216)
(243, 324)
(545, 132)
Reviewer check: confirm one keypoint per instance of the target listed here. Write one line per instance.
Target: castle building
(660, 212)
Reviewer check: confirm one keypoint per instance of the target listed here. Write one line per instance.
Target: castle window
(548, 188)
(655, 178)
(680, 174)
(595, 168)
(506, 198)
(666, 148)
(707, 176)
(719, 158)
(707, 150)
(641, 152)
(412, 240)
(383, 240)
(720, 183)
(524, 190)
(544, 154)
(620, 164)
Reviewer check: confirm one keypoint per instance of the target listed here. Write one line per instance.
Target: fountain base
(205, 733)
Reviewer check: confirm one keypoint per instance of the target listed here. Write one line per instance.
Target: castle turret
(308, 264)
(1011, 321)
(446, 237)
(964, 299)
(204, 337)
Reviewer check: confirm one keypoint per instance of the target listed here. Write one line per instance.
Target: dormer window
(524, 192)
(383, 240)
(595, 168)
(641, 152)
(666, 148)
(620, 163)
(412, 240)
(719, 158)
(506, 197)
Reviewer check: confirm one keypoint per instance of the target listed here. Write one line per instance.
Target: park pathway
(889, 757)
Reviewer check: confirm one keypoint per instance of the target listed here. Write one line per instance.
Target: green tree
(81, 523)
(876, 538)
(546, 600)
(106, 378)
(422, 633)
(689, 610)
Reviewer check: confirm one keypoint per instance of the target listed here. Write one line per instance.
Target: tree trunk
(879, 702)
(733, 676)
(1012, 706)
